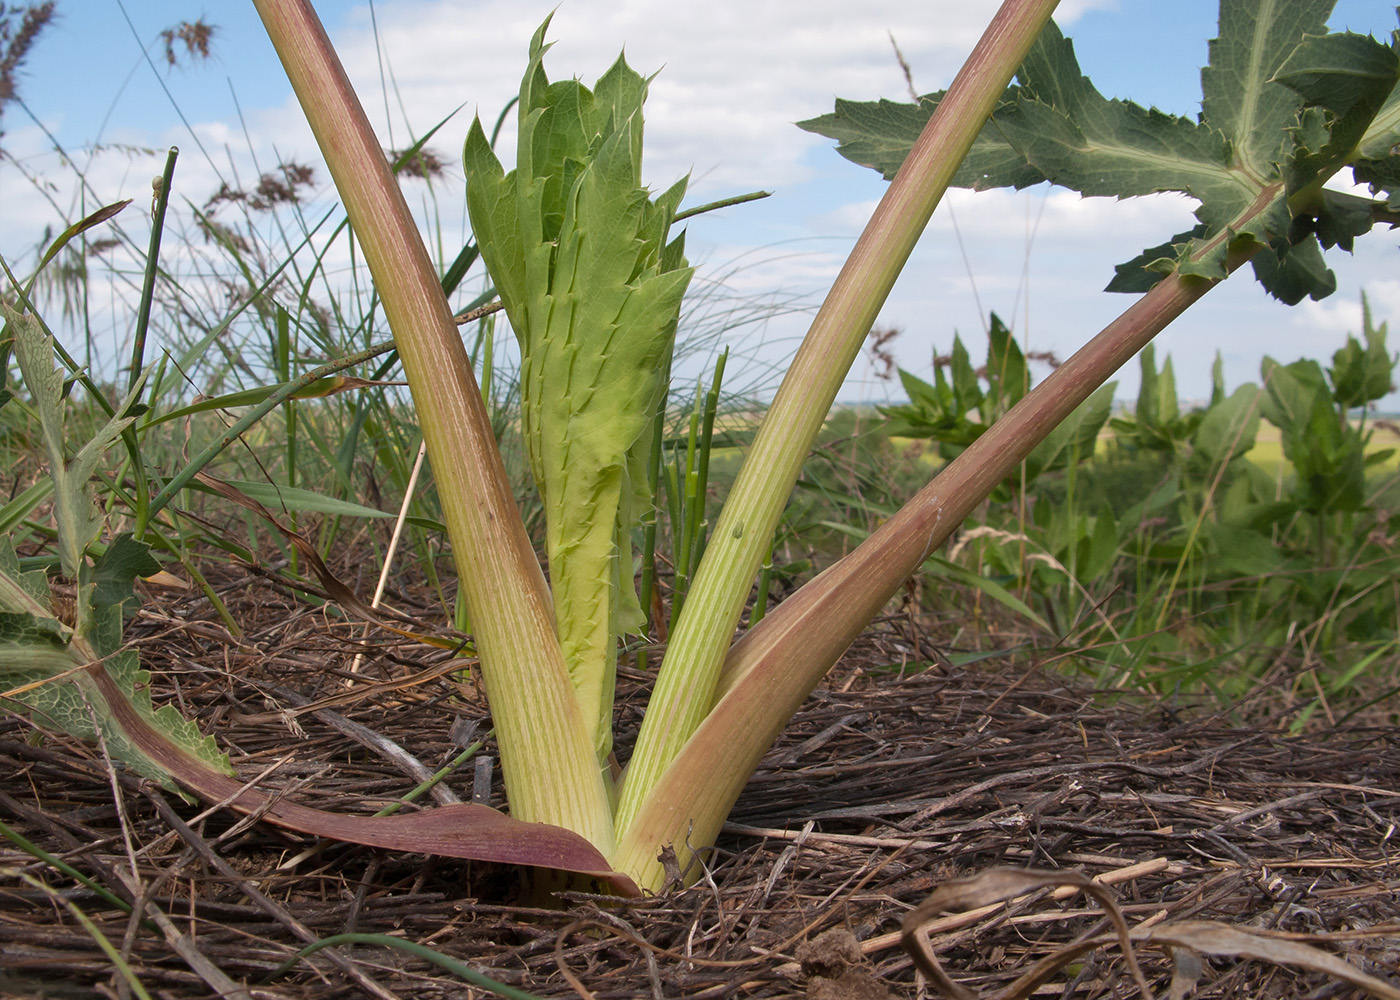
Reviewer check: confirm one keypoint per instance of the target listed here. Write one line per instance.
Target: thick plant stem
(549, 766)
(780, 660)
(685, 686)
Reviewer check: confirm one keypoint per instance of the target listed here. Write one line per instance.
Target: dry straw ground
(891, 781)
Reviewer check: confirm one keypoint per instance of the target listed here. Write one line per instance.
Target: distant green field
(1268, 448)
(1267, 452)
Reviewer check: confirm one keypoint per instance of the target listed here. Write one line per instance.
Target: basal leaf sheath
(546, 750)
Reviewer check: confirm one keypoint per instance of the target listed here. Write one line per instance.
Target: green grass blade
(712, 206)
(706, 446)
(270, 403)
(148, 280)
(38, 853)
(110, 950)
(991, 588)
(462, 972)
(23, 505)
(765, 583)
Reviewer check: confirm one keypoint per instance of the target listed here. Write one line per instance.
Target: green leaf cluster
(1157, 423)
(1312, 411)
(1363, 375)
(957, 408)
(1284, 106)
(1218, 434)
(45, 663)
(1175, 515)
(943, 410)
(579, 253)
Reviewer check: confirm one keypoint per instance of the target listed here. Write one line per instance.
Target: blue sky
(734, 76)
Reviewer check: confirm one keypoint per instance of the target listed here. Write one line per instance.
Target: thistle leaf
(1348, 82)
(1079, 139)
(1284, 106)
(1239, 94)
(51, 669)
(21, 593)
(879, 134)
(116, 570)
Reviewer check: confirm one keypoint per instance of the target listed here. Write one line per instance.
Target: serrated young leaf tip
(579, 253)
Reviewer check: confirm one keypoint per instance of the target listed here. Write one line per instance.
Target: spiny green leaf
(20, 592)
(1340, 71)
(1079, 139)
(78, 521)
(879, 134)
(48, 670)
(1382, 175)
(578, 251)
(1345, 79)
(1239, 96)
(491, 201)
(124, 667)
(1341, 218)
(1377, 162)
(1294, 272)
(1383, 133)
(1284, 106)
(44, 664)
(115, 572)
(1374, 160)
(1082, 140)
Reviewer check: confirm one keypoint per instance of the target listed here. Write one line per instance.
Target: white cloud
(1039, 215)
(733, 76)
(1340, 314)
(1056, 214)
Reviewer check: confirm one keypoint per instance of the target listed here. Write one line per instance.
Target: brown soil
(890, 782)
